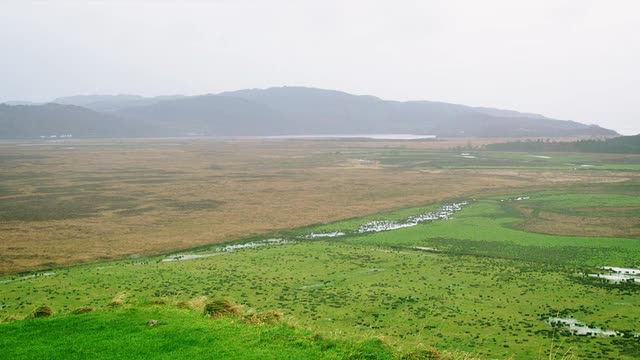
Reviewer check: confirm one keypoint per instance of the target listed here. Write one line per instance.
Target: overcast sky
(567, 59)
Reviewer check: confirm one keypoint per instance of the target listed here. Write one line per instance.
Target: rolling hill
(274, 111)
(54, 120)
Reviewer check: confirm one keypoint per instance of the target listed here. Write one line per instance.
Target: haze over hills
(32, 121)
(273, 111)
(112, 102)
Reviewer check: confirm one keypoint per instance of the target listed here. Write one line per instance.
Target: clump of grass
(220, 308)
(40, 312)
(182, 305)
(159, 301)
(194, 304)
(269, 317)
(118, 300)
(12, 318)
(437, 355)
(82, 310)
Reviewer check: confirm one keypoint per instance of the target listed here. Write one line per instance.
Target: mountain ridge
(278, 111)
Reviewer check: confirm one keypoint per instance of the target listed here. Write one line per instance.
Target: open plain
(421, 244)
(66, 202)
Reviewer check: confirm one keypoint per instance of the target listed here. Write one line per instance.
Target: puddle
(621, 270)
(468, 156)
(444, 213)
(27, 277)
(105, 267)
(383, 225)
(619, 274)
(421, 248)
(315, 285)
(615, 277)
(586, 165)
(576, 327)
(519, 198)
(230, 248)
(392, 251)
(227, 249)
(540, 156)
(363, 161)
(181, 257)
(324, 235)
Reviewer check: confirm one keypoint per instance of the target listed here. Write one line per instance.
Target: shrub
(269, 317)
(42, 311)
(182, 305)
(197, 303)
(82, 310)
(219, 308)
(159, 301)
(118, 300)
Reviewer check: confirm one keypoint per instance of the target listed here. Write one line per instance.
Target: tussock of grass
(82, 310)
(225, 308)
(221, 307)
(197, 303)
(42, 311)
(118, 300)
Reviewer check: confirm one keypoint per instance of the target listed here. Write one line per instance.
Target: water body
(181, 257)
(349, 136)
(519, 198)
(316, 285)
(324, 235)
(422, 248)
(226, 249)
(444, 213)
(578, 328)
(618, 274)
(620, 270)
(27, 277)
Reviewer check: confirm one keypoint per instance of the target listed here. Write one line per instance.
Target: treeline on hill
(619, 145)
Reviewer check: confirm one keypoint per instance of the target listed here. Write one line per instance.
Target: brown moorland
(63, 203)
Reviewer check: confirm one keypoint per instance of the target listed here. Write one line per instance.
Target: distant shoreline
(49, 140)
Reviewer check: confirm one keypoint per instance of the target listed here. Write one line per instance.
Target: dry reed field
(63, 203)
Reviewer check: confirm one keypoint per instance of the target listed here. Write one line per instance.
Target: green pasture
(503, 160)
(180, 334)
(487, 288)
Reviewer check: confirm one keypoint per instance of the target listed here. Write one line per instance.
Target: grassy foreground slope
(181, 334)
(489, 288)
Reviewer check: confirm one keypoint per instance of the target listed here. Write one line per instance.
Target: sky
(567, 59)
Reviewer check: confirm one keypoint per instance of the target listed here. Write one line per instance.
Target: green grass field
(124, 334)
(488, 289)
(481, 159)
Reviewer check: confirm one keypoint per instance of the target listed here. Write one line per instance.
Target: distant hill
(21, 103)
(317, 111)
(280, 111)
(618, 145)
(209, 115)
(112, 102)
(33, 121)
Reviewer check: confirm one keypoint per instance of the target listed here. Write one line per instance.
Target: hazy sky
(568, 59)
